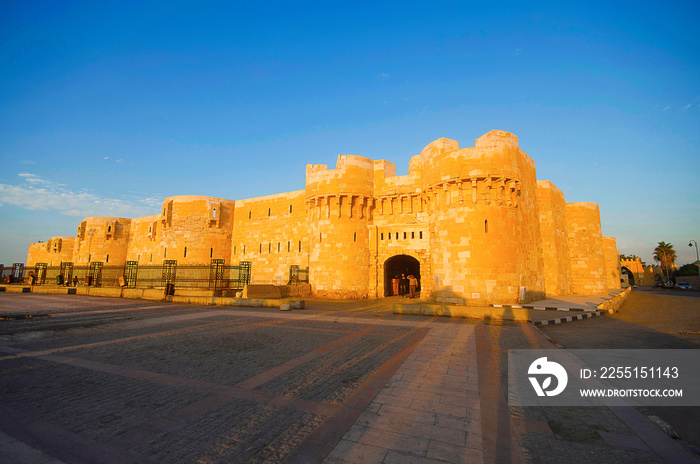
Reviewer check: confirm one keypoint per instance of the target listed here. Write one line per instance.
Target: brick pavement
(428, 412)
(336, 383)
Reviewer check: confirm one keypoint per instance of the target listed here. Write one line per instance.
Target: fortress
(474, 225)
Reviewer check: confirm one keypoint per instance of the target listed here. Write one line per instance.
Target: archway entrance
(629, 274)
(395, 267)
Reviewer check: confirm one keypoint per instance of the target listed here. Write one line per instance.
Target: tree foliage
(687, 270)
(665, 255)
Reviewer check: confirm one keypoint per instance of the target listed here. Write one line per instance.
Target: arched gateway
(629, 274)
(397, 265)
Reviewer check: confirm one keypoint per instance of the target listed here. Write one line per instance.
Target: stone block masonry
(473, 225)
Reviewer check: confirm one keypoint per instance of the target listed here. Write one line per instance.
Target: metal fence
(216, 275)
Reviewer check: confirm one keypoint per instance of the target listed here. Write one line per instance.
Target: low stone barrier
(472, 312)
(262, 292)
(15, 289)
(613, 304)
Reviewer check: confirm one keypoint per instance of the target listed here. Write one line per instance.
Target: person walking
(412, 285)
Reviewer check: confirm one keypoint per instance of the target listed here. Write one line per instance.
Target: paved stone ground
(649, 318)
(110, 381)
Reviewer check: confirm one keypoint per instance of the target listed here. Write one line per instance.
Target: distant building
(474, 225)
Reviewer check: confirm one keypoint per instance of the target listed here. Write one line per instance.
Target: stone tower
(339, 203)
(484, 225)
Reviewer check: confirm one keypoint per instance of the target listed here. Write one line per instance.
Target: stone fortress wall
(473, 224)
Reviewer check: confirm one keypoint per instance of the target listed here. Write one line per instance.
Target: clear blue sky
(106, 108)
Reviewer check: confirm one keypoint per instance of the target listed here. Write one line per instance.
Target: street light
(697, 256)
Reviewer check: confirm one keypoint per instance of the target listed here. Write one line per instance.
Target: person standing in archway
(412, 285)
(403, 289)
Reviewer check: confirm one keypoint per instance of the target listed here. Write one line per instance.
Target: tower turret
(483, 219)
(339, 203)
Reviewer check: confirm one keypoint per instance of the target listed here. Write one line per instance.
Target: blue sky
(106, 108)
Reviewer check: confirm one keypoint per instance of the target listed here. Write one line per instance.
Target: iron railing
(216, 276)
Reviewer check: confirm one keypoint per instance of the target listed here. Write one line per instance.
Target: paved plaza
(101, 380)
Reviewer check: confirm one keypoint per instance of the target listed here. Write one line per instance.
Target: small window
(234, 249)
(404, 235)
(107, 260)
(250, 214)
(486, 226)
(269, 247)
(299, 246)
(151, 259)
(389, 235)
(289, 246)
(213, 213)
(109, 228)
(420, 234)
(269, 211)
(278, 247)
(320, 237)
(243, 249)
(413, 235)
(381, 236)
(260, 250)
(165, 252)
(290, 209)
(185, 254)
(211, 252)
(354, 237)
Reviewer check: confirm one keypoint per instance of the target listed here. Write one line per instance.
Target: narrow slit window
(404, 235)
(165, 252)
(420, 234)
(413, 235)
(299, 246)
(269, 212)
(107, 260)
(213, 213)
(381, 236)
(486, 226)
(289, 246)
(354, 237)
(290, 209)
(211, 252)
(185, 254)
(250, 214)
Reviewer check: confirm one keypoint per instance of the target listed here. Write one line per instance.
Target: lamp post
(697, 256)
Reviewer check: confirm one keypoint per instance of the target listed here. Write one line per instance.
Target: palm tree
(665, 255)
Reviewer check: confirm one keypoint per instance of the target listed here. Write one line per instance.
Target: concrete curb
(156, 294)
(577, 317)
(614, 303)
(474, 312)
(538, 308)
